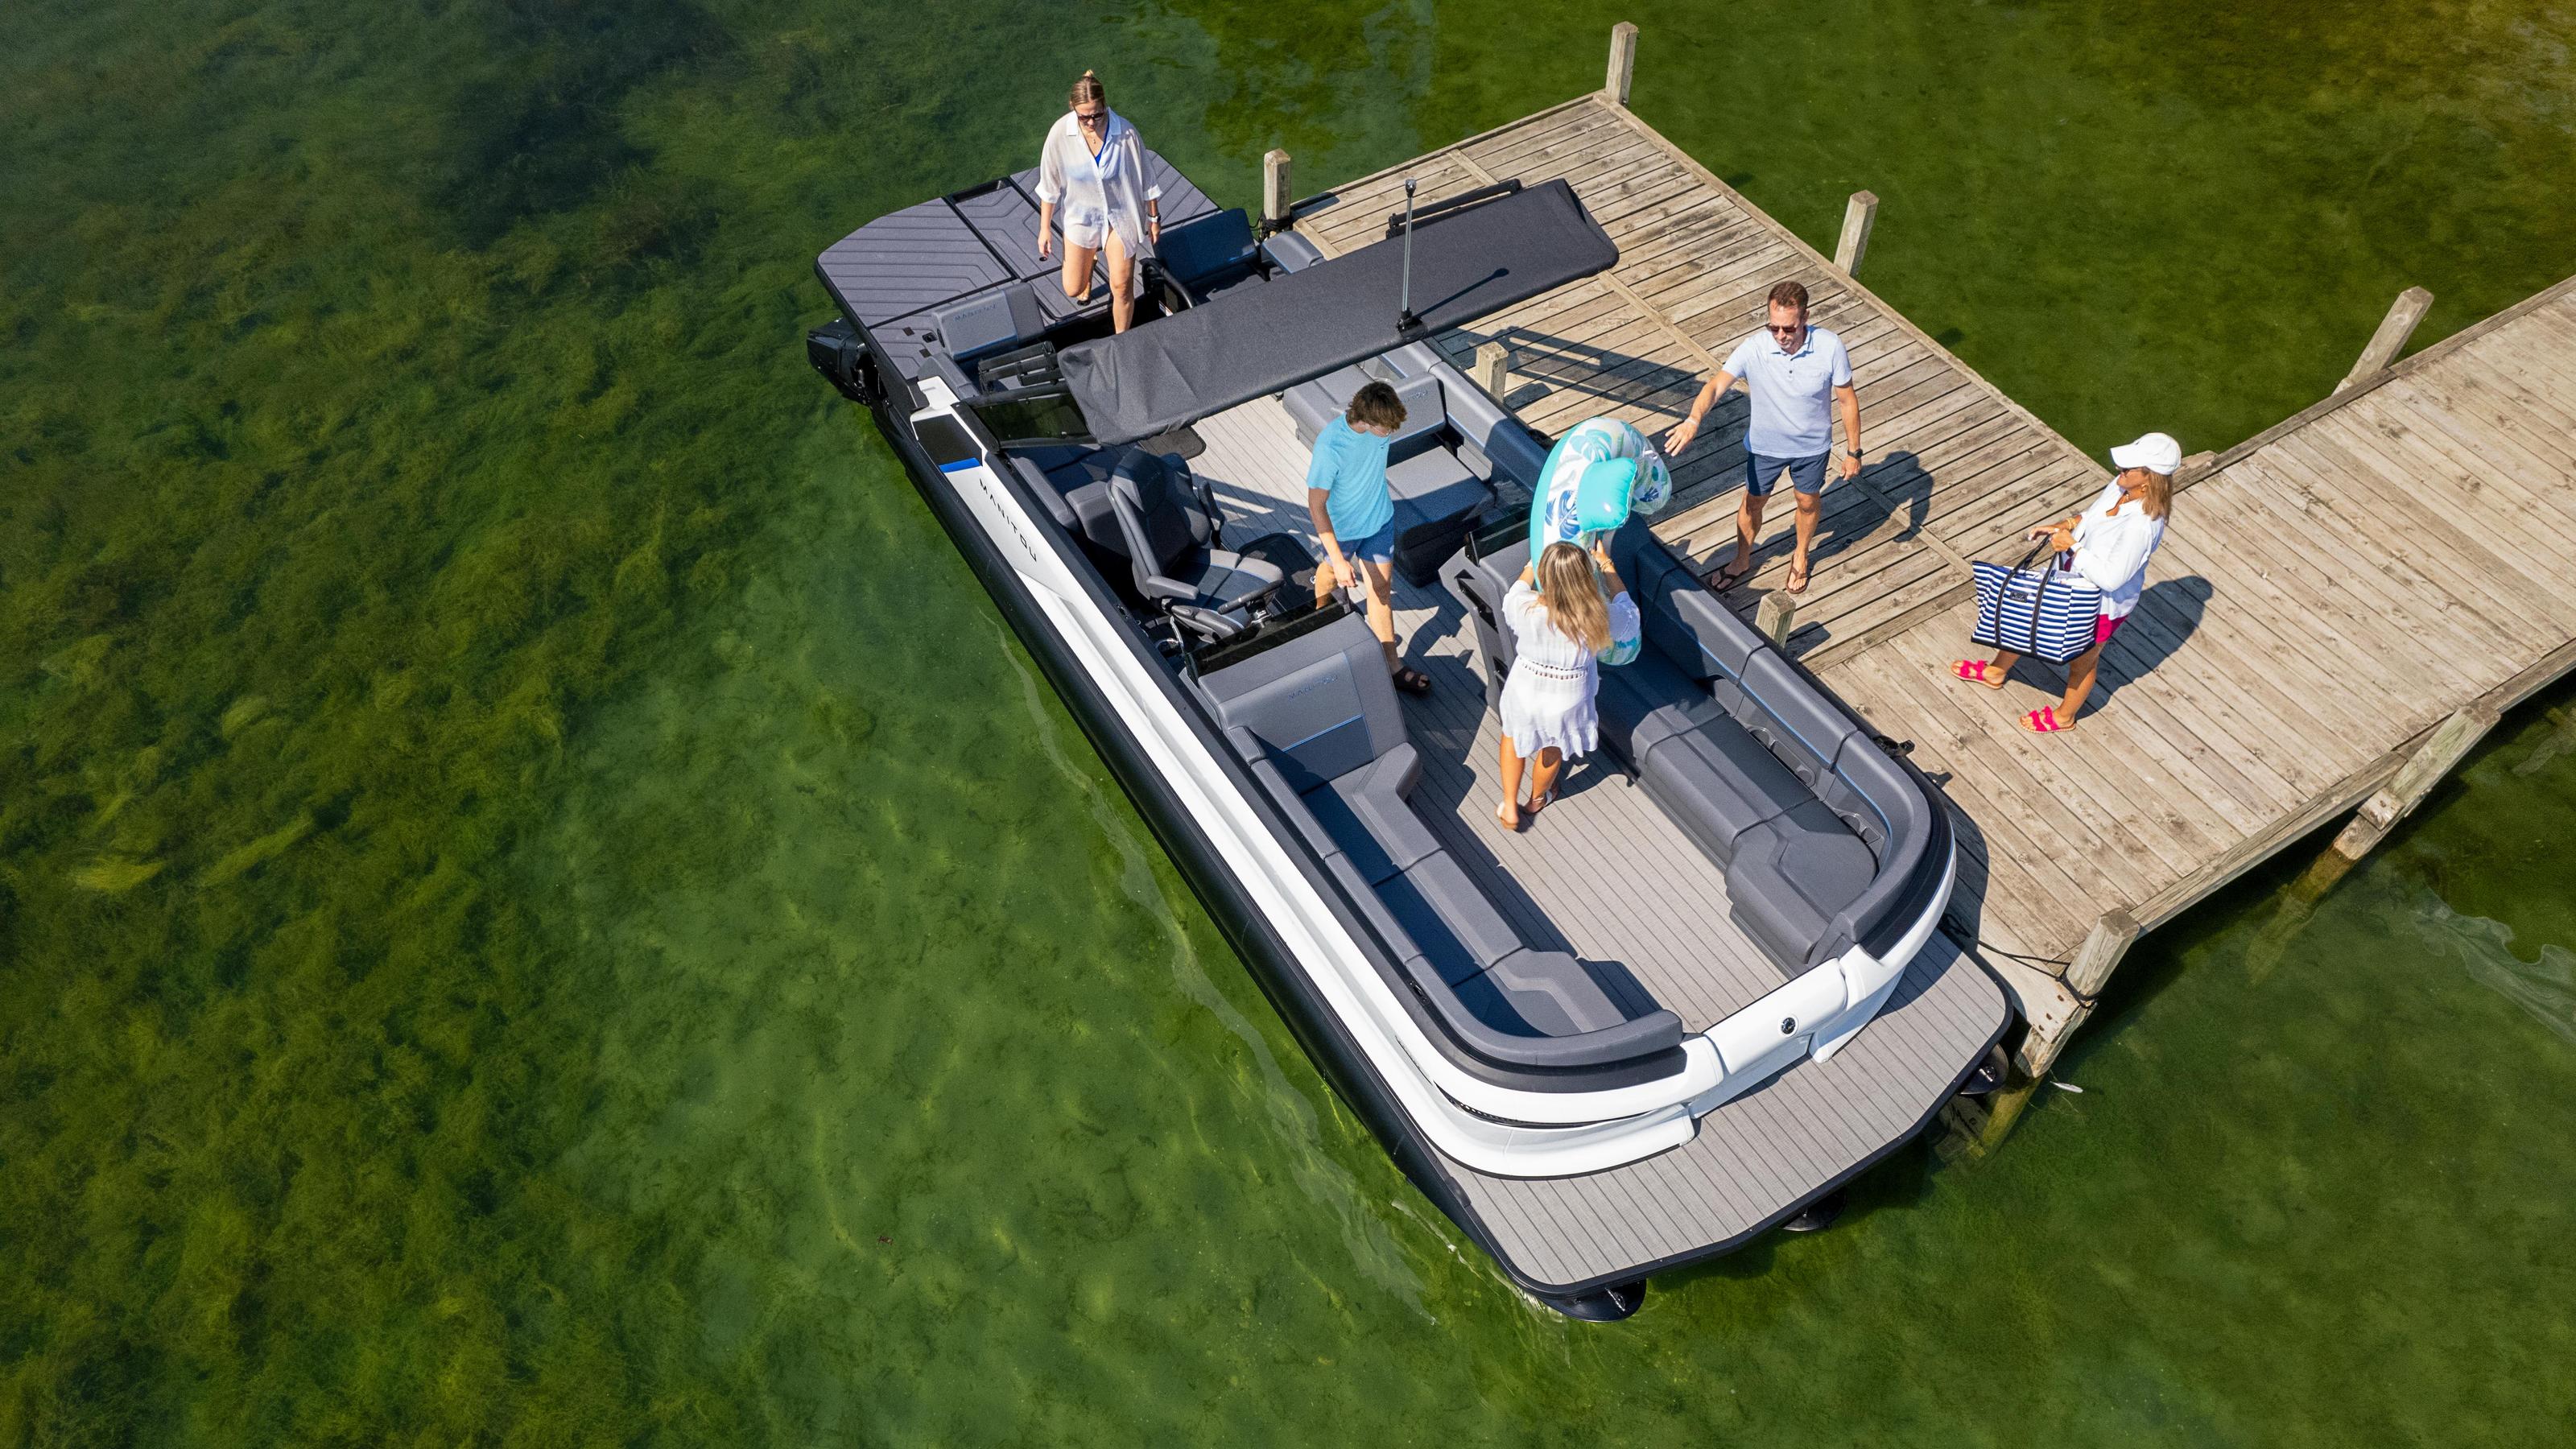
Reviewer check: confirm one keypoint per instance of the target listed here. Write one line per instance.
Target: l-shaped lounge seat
(1826, 841)
(1316, 718)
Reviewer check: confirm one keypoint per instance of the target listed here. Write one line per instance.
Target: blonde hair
(1570, 590)
(2156, 494)
(1088, 88)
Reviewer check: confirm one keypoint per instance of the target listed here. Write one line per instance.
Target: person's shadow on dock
(1562, 365)
(2167, 615)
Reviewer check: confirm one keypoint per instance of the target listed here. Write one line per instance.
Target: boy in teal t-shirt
(1346, 495)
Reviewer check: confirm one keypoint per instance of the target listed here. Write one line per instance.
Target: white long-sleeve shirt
(2111, 549)
(1109, 189)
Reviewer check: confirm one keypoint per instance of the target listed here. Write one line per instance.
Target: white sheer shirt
(1108, 190)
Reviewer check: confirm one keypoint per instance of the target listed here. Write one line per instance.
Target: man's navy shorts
(1807, 475)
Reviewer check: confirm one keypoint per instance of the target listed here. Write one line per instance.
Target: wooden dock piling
(1493, 369)
(1775, 616)
(2274, 676)
(1859, 215)
(1274, 189)
(2449, 744)
(2390, 339)
(1623, 63)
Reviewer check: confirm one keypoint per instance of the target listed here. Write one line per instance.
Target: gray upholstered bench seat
(1436, 484)
(1793, 874)
(1774, 782)
(1317, 722)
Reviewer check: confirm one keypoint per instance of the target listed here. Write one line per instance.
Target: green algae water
(540, 903)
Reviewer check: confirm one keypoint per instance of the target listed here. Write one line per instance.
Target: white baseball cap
(2156, 452)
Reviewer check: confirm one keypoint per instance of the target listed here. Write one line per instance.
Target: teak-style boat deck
(2342, 605)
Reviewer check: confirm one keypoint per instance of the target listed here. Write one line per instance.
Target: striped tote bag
(2044, 611)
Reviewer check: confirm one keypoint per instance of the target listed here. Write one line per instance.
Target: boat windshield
(1035, 417)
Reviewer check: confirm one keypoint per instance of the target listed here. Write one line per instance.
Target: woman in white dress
(1094, 167)
(1559, 622)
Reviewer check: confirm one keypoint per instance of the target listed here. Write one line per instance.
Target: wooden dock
(2364, 586)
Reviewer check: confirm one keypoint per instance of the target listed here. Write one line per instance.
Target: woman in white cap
(2107, 545)
(1094, 167)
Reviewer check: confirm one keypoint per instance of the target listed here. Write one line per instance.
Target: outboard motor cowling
(838, 354)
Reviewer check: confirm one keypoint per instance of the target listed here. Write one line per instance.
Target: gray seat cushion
(1050, 497)
(1547, 993)
(1646, 700)
(1717, 783)
(1449, 919)
(1313, 405)
(1320, 702)
(1366, 815)
(1792, 874)
(1373, 908)
(1437, 483)
(1796, 720)
(1424, 418)
(1228, 580)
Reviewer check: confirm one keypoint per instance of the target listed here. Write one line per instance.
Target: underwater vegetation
(539, 904)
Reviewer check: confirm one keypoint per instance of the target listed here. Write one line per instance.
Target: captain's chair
(1172, 535)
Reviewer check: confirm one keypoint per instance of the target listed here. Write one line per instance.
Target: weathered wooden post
(1274, 190)
(2112, 934)
(2390, 339)
(1623, 63)
(1493, 369)
(2448, 744)
(1775, 616)
(1858, 216)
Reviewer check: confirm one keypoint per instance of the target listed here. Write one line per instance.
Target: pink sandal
(1971, 670)
(2044, 721)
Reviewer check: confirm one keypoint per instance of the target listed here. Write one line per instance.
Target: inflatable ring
(1601, 473)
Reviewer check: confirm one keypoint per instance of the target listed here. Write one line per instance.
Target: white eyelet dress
(1547, 700)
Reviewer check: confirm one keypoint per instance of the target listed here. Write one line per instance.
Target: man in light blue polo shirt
(1797, 376)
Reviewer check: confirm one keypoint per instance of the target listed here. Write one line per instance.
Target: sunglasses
(1792, 330)
(1091, 118)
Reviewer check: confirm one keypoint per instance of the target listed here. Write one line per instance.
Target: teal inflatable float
(1601, 473)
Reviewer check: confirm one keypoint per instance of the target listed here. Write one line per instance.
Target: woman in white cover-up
(1093, 168)
(1559, 621)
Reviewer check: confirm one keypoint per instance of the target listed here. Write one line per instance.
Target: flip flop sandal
(1798, 580)
(1413, 682)
(1731, 575)
(2044, 721)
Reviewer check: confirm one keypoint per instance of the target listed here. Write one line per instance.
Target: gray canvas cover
(1258, 340)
